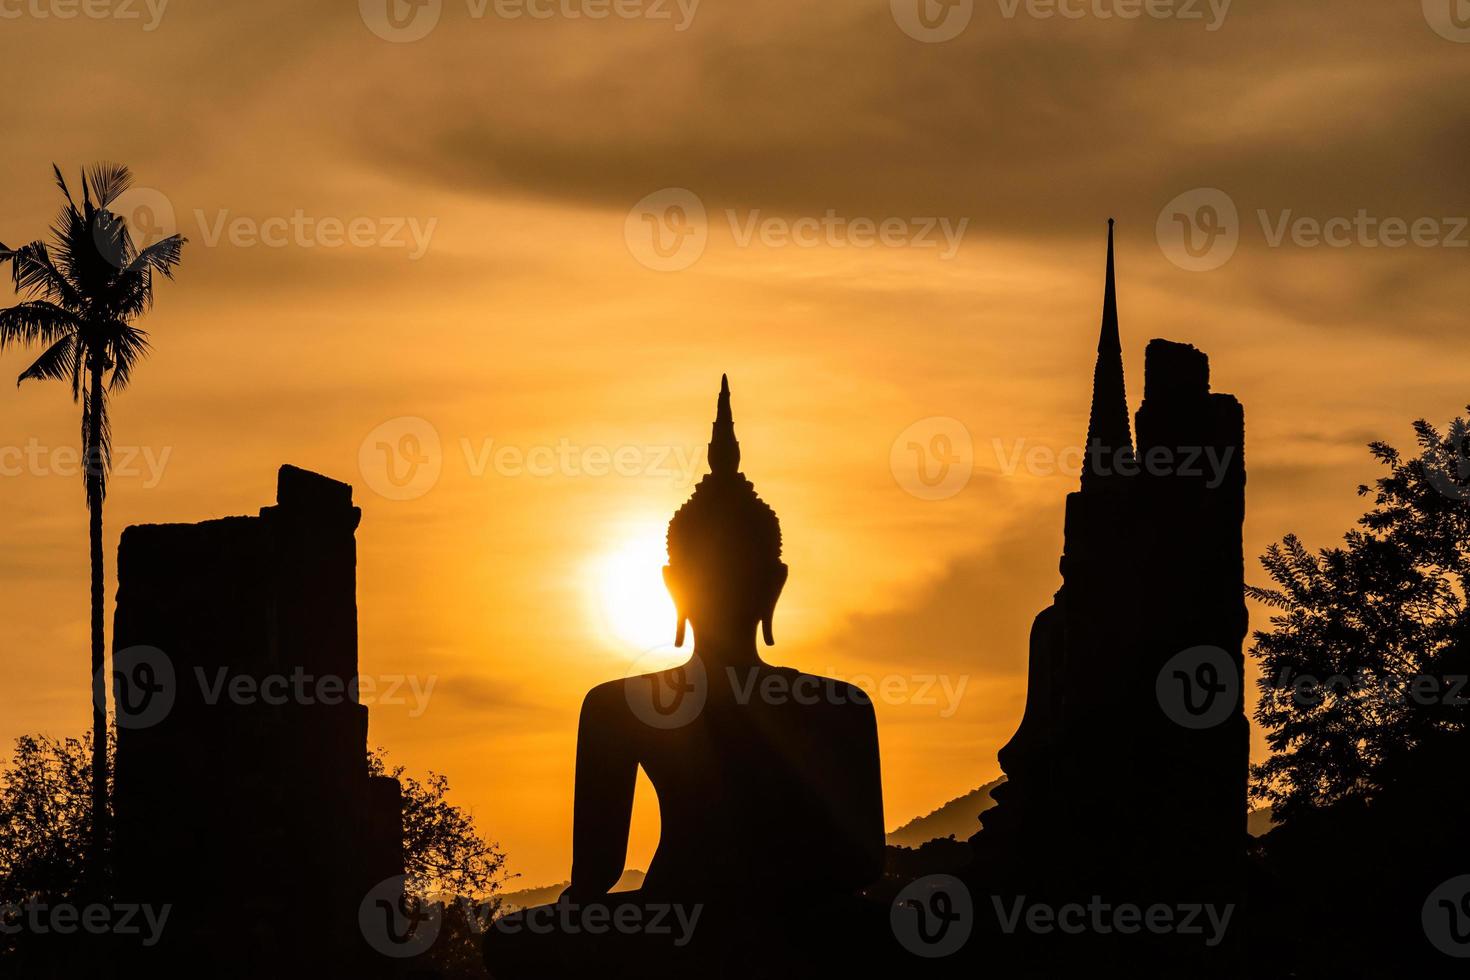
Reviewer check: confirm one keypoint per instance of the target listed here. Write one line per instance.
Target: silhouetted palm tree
(83, 291)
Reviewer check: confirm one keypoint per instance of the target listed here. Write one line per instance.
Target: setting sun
(633, 604)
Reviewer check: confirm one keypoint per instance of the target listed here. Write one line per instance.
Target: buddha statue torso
(772, 785)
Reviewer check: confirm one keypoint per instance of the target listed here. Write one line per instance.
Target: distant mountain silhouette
(959, 818)
(545, 895)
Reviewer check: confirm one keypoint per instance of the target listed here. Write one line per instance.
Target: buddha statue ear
(778, 584)
(670, 583)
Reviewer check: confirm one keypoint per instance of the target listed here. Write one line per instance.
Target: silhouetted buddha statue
(768, 783)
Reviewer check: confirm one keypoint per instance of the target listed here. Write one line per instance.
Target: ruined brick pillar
(243, 797)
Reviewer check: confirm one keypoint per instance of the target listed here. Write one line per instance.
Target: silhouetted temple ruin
(1127, 775)
(243, 795)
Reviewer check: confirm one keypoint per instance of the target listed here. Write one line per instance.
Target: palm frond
(68, 241)
(36, 321)
(61, 182)
(57, 363)
(35, 273)
(161, 256)
(129, 346)
(108, 181)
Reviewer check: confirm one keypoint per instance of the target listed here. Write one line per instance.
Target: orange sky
(301, 153)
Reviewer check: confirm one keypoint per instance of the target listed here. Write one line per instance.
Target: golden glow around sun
(635, 607)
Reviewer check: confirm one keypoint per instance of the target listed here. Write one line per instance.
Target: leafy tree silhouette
(45, 837)
(45, 819)
(443, 852)
(85, 290)
(446, 860)
(1366, 708)
(46, 830)
(1364, 668)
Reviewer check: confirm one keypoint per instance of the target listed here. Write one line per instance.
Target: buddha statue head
(725, 571)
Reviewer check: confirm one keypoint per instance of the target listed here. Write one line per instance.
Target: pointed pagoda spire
(1108, 340)
(724, 450)
(1109, 436)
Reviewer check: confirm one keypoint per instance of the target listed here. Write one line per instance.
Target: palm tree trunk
(95, 477)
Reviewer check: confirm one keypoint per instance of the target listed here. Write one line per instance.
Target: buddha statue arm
(851, 852)
(869, 801)
(607, 770)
